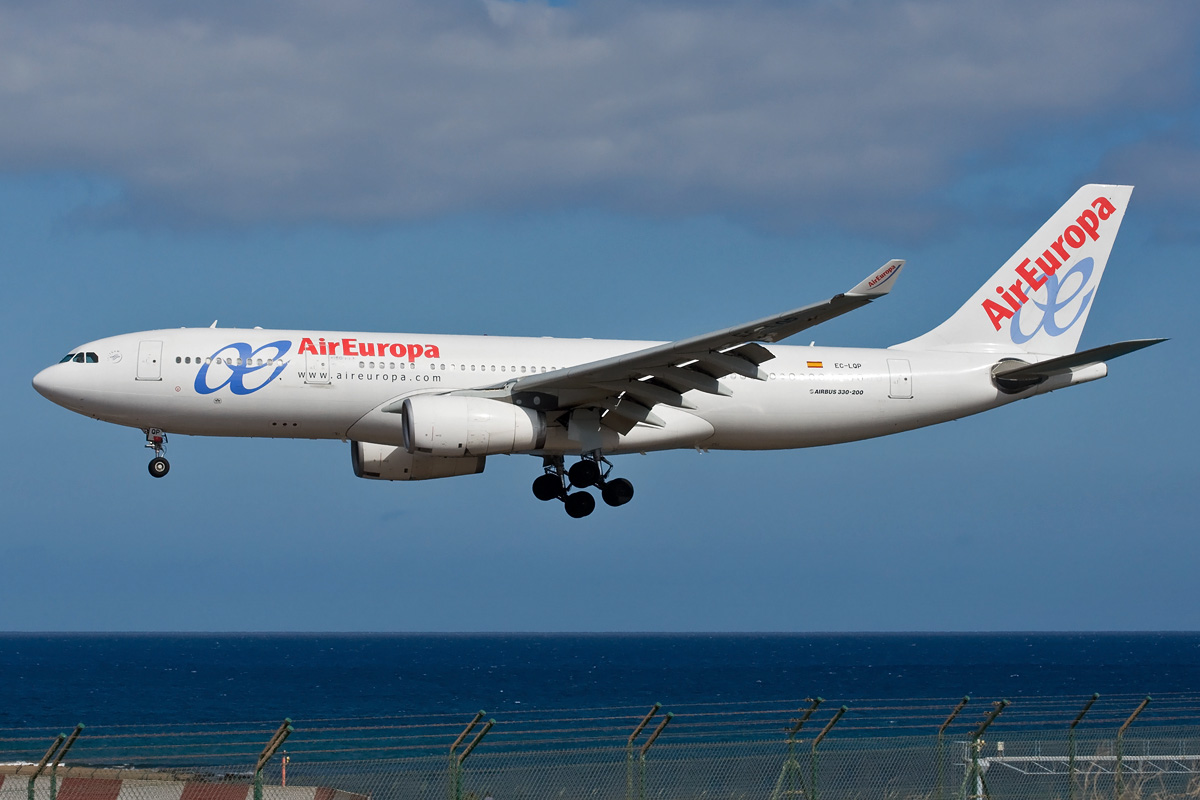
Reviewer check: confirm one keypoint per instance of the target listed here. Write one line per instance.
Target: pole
(1120, 788)
(941, 747)
(1071, 746)
(807, 713)
(812, 782)
(654, 709)
(58, 760)
(474, 742)
(41, 765)
(974, 767)
(456, 763)
(642, 754)
(455, 770)
(279, 737)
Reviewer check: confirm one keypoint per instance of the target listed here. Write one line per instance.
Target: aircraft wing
(629, 385)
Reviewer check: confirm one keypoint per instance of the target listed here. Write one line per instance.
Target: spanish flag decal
(816, 365)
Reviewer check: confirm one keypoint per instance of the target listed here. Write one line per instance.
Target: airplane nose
(51, 384)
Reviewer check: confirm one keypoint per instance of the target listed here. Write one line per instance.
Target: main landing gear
(156, 440)
(556, 484)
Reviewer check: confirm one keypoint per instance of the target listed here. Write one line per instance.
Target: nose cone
(52, 383)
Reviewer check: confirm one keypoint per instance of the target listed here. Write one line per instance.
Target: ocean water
(138, 679)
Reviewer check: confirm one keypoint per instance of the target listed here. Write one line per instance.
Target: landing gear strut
(156, 440)
(591, 470)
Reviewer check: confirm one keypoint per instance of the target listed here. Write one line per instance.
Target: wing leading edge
(625, 388)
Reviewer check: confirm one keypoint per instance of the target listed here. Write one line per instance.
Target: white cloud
(361, 112)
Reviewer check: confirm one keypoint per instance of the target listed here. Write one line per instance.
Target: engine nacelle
(386, 462)
(443, 425)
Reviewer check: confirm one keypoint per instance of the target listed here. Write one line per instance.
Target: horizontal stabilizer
(1013, 375)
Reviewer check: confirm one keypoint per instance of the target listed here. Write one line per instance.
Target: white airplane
(416, 406)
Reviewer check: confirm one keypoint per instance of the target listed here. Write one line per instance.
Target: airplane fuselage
(279, 383)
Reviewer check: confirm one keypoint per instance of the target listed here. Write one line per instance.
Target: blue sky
(639, 170)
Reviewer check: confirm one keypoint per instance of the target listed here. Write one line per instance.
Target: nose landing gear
(156, 440)
(556, 483)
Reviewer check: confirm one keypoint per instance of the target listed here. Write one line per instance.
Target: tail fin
(1038, 302)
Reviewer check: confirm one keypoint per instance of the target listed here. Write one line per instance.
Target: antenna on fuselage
(214, 324)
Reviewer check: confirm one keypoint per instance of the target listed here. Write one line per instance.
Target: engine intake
(451, 425)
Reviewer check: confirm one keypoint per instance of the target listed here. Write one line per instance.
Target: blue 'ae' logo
(1053, 304)
(242, 368)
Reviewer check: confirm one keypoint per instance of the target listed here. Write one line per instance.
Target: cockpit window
(79, 358)
(92, 358)
(67, 357)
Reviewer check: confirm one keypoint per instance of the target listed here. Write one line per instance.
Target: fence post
(1071, 746)
(456, 768)
(791, 767)
(941, 747)
(812, 757)
(455, 772)
(975, 769)
(642, 755)
(654, 709)
(281, 734)
(1121, 745)
(41, 765)
(58, 760)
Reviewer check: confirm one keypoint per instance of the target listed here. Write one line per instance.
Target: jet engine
(386, 462)
(442, 425)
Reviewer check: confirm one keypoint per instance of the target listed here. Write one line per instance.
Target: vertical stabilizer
(1038, 302)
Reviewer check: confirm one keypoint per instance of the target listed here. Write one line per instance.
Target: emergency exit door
(149, 364)
(901, 379)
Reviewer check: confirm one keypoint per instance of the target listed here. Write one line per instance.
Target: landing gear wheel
(159, 466)
(584, 473)
(617, 492)
(547, 487)
(579, 504)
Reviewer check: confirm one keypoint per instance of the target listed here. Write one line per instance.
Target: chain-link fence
(730, 752)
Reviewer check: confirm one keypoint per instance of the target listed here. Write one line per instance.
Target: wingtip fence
(1115, 748)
